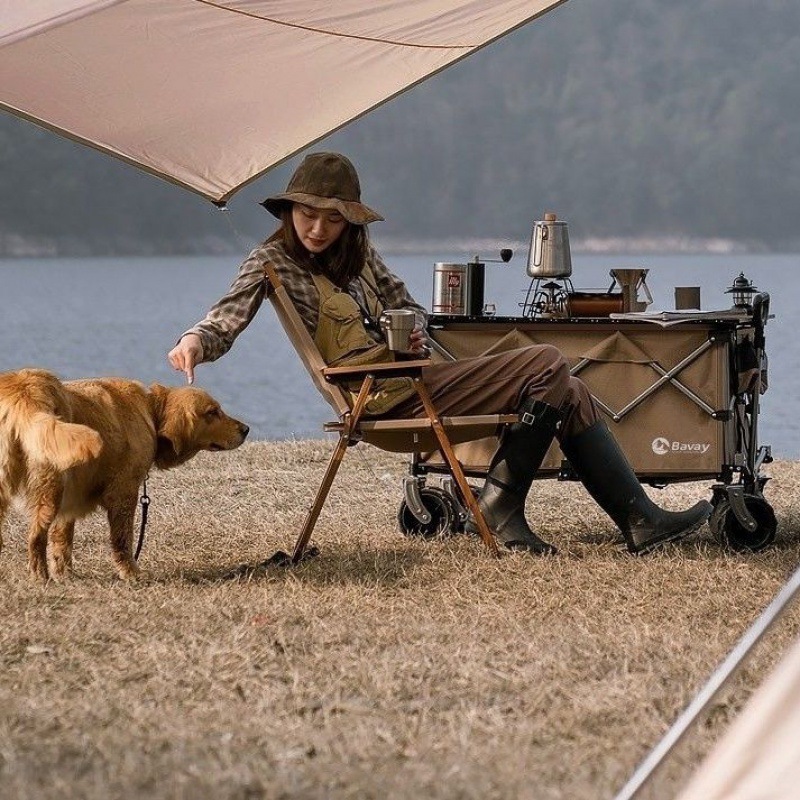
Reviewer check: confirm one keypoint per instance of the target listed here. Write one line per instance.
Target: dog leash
(144, 502)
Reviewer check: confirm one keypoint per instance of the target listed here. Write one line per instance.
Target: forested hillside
(630, 118)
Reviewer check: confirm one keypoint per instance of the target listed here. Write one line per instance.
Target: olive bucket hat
(325, 180)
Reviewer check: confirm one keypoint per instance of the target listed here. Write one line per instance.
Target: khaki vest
(343, 340)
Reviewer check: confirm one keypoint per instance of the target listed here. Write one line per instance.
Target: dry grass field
(386, 666)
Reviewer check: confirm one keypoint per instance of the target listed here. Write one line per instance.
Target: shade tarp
(757, 759)
(210, 95)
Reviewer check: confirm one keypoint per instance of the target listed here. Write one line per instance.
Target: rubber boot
(608, 477)
(522, 449)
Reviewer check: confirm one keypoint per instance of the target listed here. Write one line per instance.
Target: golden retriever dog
(68, 447)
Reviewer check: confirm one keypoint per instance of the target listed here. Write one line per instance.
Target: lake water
(120, 316)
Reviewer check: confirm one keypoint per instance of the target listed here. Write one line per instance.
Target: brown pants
(498, 383)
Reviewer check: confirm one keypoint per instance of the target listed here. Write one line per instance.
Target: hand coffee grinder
(458, 289)
(549, 265)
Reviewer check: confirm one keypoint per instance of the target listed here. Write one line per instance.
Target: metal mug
(397, 325)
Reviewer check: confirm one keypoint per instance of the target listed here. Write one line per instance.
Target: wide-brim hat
(325, 180)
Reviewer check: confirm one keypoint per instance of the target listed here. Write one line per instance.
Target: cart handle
(760, 317)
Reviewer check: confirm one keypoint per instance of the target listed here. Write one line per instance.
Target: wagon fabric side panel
(658, 390)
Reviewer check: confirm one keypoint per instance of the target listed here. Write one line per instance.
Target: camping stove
(547, 300)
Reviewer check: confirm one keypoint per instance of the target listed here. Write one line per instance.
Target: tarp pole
(715, 684)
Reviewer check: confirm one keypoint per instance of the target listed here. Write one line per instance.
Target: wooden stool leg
(455, 467)
(333, 468)
(322, 495)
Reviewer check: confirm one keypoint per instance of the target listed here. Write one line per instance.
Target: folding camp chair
(397, 435)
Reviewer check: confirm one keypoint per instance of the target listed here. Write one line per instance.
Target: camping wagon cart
(680, 392)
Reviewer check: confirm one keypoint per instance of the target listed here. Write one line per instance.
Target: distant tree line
(630, 118)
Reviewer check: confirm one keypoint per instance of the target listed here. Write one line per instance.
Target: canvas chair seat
(399, 435)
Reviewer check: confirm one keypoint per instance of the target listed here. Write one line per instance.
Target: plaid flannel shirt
(232, 313)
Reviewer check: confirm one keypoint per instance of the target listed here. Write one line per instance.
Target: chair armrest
(388, 368)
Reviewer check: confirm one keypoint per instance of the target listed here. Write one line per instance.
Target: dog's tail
(62, 444)
(31, 414)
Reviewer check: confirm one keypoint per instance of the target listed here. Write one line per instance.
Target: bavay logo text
(662, 446)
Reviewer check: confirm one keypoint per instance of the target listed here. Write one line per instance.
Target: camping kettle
(632, 282)
(548, 256)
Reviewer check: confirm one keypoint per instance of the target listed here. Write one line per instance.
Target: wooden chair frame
(394, 434)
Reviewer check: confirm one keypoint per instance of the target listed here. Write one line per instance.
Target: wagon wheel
(443, 516)
(729, 532)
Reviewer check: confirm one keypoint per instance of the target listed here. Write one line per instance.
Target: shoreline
(13, 246)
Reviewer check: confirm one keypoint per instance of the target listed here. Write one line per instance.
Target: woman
(340, 286)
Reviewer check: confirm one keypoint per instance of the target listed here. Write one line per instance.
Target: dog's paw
(60, 567)
(37, 568)
(127, 570)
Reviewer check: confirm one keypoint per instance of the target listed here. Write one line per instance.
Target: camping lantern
(742, 291)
